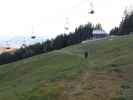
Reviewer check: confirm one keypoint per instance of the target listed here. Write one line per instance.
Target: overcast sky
(48, 17)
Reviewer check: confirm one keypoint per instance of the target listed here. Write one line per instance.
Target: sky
(49, 17)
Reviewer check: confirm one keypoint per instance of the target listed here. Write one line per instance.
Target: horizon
(48, 18)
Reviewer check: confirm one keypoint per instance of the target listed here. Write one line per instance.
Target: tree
(98, 26)
(80, 34)
(126, 25)
(115, 31)
(59, 42)
(47, 45)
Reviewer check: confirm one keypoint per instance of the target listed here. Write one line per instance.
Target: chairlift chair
(66, 28)
(33, 37)
(92, 12)
(92, 8)
(7, 47)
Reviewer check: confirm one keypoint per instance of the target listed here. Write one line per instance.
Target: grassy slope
(107, 74)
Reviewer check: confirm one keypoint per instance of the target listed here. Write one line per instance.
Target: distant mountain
(9, 50)
(18, 41)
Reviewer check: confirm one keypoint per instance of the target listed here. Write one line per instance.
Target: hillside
(107, 73)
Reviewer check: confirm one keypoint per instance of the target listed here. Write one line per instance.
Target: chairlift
(8, 48)
(24, 45)
(7, 43)
(92, 12)
(92, 8)
(33, 37)
(66, 28)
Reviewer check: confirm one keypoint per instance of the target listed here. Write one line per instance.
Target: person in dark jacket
(86, 54)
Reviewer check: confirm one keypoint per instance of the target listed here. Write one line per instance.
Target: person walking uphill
(85, 54)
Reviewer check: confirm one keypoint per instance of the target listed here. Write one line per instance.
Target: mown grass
(107, 73)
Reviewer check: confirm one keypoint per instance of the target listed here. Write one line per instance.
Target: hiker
(86, 54)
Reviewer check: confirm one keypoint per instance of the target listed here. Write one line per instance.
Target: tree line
(83, 32)
(126, 25)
